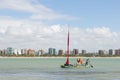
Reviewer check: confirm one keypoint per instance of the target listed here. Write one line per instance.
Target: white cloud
(100, 33)
(19, 5)
(37, 10)
(30, 34)
(52, 16)
(14, 27)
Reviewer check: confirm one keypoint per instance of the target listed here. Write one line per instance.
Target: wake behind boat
(67, 63)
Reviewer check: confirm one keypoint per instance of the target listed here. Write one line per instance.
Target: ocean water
(49, 69)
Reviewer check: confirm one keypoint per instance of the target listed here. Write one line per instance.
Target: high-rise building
(75, 51)
(111, 51)
(1, 53)
(102, 52)
(30, 52)
(52, 51)
(83, 51)
(60, 52)
(40, 52)
(10, 51)
(24, 51)
(117, 52)
(17, 52)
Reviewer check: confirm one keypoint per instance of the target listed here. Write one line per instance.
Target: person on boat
(80, 61)
(67, 63)
(87, 62)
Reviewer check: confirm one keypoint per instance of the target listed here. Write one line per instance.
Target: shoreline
(59, 57)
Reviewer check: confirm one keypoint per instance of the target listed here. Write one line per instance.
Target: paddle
(91, 65)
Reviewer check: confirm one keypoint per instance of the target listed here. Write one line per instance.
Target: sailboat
(67, 63)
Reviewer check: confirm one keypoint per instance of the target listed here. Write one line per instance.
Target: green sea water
(49, 69)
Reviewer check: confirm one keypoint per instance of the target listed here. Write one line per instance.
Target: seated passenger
(79, 61)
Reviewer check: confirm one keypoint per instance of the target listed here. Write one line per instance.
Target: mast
(68, 47)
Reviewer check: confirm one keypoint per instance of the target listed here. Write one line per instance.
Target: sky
(42, 24)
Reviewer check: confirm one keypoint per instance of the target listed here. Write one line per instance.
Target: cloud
(37, 10)
(21, 5)
(52, 16)
(31, 34)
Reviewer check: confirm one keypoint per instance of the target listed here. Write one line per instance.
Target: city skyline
(53, 52)
(57, 50)
(93, 25)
